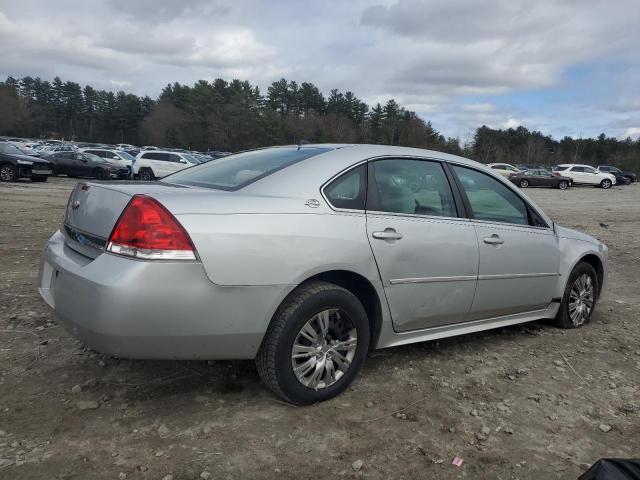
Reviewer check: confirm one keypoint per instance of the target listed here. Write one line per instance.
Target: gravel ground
(524, 402)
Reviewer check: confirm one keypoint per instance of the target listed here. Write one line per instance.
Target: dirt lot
(524, 402)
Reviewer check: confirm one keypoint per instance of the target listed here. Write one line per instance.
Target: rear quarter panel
(285, 249)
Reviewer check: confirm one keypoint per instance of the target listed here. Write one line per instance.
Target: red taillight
(148, 230)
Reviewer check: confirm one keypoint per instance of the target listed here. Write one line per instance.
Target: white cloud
(445, 60)
(633, 132)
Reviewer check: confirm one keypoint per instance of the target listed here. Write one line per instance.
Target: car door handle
(387, 234)
(494, 240)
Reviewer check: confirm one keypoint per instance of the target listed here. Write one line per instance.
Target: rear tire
(100, 174)
(606, 184)
(572, 313)
(146, 175)
(304, 362)
(524, 183)
(8, 173)
(562, 185)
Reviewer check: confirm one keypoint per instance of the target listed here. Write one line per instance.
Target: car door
(593, 176)
(519, 255)
(159, 163)
(427, 255)
(62, 162)
(579, 176)
(82, 166)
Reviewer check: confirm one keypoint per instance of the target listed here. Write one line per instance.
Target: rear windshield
(236, 171)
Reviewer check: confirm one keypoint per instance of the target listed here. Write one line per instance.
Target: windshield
(125, 156)
(10, 149)
(191, 158)
(236, 171)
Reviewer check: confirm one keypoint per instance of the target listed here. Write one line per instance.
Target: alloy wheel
(581, 299)
(324, 348)
(606, 184)
(524, 183)
(562, 185)
(7, 173)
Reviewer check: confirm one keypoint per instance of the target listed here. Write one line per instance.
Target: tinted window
(577, 169)
(410, 186)
(491, 200)
(348, 190)
(560, 169)
(236, 171)
(64, 155)
(172, 157)
(590, 170)
(153, 156)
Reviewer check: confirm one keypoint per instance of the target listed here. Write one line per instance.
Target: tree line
(235, 115)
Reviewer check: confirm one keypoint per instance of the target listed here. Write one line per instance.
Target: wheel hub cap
(581, 299)
(324, 348)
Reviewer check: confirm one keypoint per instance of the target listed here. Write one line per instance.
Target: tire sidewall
(524, 183)
(335, 298)
(561, 187)
(606, 184)
(14, 171)
(564, 317)
(146, 175)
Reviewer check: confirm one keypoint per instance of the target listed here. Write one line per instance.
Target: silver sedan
(304, 258)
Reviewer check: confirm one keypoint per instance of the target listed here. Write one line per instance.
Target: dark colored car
(620, 175)
(78, 164)
(14, 165)
(540, 177)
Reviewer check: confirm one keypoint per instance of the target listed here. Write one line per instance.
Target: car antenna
(302, 142)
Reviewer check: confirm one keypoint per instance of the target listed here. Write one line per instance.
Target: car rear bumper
(153, 309)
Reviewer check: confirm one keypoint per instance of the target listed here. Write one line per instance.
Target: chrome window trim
(375, 212)
(417, 216)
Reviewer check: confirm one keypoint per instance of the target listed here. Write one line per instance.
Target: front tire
(315, 345)
(145, 175)
(8, 173)
(580, 296)
(606, 184)
(524, 183)
(563, 185)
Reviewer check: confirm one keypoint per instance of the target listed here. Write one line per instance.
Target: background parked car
(540, 177)
(631, 176)
(586, 175)
(82, 164)
(504, 169)
(14, 165)
(153, 164)
(120, 157)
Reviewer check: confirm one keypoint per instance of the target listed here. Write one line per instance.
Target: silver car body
(257, 244)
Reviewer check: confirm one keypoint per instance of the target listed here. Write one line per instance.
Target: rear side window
(237, 171)
(489, 199)
(577, 169)
(172, 157)
(414, 187)
(348, 190)
(153, 156)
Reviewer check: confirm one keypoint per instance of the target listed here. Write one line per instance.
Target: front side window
(590, 170)
(489, 199)
(153, 156)
(413, 187)
(348, 190)
(237, 171)
(577, 169)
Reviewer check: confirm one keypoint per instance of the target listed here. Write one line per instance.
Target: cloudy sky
(564, 67)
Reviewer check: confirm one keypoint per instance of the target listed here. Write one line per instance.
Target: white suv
(504, 169)
(152, 164)
(585, 175)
